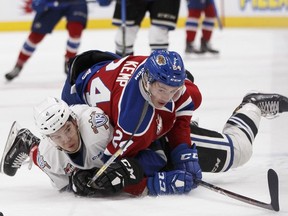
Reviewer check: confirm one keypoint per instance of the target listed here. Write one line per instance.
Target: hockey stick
(122, 148)
(123, 26)
(217, 17)
(273, 191)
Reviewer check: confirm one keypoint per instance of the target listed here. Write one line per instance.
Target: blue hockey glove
(39, 5)
(104, 3)
(186, 158)
(172, 182)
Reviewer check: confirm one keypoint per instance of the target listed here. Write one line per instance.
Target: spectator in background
(163, 16)
(48, 14)
(195, 9)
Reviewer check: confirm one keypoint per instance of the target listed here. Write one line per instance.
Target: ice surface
(250, 59)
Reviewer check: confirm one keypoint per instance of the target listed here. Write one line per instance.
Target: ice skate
(206, 47)
(269, 104)
(14, 73)
(17, 149)
(191, 49)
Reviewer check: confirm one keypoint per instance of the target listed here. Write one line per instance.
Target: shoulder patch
(97, 120)
(41, 162)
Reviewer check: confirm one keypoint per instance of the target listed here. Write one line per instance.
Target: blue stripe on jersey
(170, 106)
(84, 77)
(189, 106)
(131, 105)
(80, 85)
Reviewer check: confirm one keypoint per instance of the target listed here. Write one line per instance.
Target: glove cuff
(177, 152)
(153, 185)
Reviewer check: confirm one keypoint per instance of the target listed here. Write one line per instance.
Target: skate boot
(269, 104)
(14, 73)
(17, 149)
(190, 48)
(206, 47)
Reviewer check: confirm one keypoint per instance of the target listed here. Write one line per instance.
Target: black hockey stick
(122, 148)
(273, 190)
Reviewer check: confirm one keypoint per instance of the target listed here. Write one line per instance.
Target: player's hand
(172, 182)
(79, 181)
(119, 174)
(185, 158)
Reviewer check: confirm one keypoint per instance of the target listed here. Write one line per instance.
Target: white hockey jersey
(95, 131)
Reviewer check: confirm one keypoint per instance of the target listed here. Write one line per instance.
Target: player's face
(67, 137)
(161, 94)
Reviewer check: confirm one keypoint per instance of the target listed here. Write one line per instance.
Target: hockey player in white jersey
(74, 139)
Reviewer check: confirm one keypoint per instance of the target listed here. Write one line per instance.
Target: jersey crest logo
(97, 120)
(159, 123)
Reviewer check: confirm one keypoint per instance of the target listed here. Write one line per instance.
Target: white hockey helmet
(51, 114)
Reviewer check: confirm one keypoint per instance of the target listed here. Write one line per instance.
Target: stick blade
(273, 185)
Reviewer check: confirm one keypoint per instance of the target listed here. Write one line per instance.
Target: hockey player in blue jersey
(48, 14)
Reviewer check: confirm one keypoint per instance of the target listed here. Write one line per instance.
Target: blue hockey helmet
(166, 67)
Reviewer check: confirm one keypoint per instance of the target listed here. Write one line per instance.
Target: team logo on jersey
(69, 168)
(97, 120)
(159, 123)
(41, 162)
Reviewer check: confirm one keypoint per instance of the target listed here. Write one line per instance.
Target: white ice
(250, 59)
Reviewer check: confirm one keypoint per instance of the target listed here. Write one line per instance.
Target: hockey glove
(172, 182)
(79, 181)
(119, 174)
(39, 5)
(104, 3)
(186, 158)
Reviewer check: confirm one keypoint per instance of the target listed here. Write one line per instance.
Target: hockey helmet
(166, 67)
(50, 115)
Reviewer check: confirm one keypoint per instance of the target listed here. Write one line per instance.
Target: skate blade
(10, 139)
